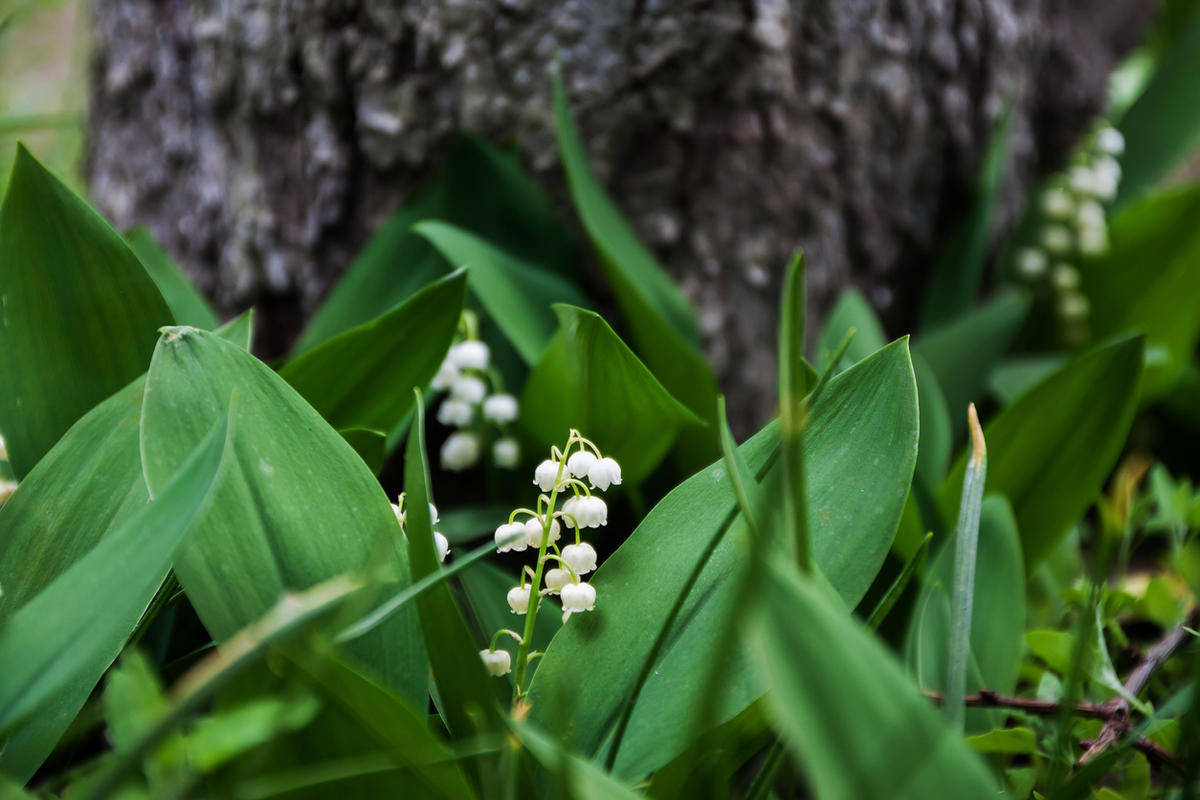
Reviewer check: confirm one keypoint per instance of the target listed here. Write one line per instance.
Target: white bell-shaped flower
(1090, 214)
(1032, 262)
(580, 557)
(470, 354)
(518, 599)
(468, 389)
(1082, 180)
(506, 453)
(460, 451)
(590, 512)
(497, 662)
(580, 462)
(1110, 141)
(505, 540)
(545, 475)
(1093, 241)
(1057, 239)
(402, 515)
(500, 408)
(455, 413)
(1065, 277)
(1057, 203)
(604, 473)
(534, 526)
(442, 544)
(577, 597)
(556, 579)
(445, 377)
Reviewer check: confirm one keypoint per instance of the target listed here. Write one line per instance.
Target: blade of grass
(966, 545)
(793, 412)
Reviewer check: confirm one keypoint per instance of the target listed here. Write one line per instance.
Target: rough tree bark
(261, 141)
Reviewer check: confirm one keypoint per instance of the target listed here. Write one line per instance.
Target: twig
(1118, 724)
(1042, 708)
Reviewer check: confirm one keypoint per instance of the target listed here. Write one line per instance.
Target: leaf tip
(978, 445)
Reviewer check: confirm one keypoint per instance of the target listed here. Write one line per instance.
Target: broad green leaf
(1050, 451)
(998, 621)
(962, 353)
(1163, 125)
(1009, 741)
(860, 450)
(589, 380)
(364, 378)
(186, 303)
(936, 436)
(517, 295)
(660, 319)
(850, 311)
(1149, 281)
(956, 276)
(858, 727)
(582, 778)
(1012, 378)
(296, 505)
(78, 313)
(370, 445)
(481, 189)
(464, 686)
(54, 649)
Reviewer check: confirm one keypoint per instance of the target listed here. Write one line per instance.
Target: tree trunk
(261, 142)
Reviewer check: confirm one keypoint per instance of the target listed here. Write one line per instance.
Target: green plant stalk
(966, 546)
(535, 590)
(793, 413)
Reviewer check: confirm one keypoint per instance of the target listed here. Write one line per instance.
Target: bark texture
(262, 141)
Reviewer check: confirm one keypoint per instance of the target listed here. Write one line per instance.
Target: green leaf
(936, 435)
(661, 321)
(958, 272)
(1014, 377)
(1008, 741)
(54, 649)
(517, 295)
(1163, 125)
(370, 445)
(793, 417)
(296, 506)
(998, 622)
(464, 686)
(858, 478)
(963, 352)
(589, 380)
(582, 778)
(186, 303)
(364, 378)
(858, 727)
(850, 311)
(481, 189)
(1149, 280)
(78, 312)
(1050, 451)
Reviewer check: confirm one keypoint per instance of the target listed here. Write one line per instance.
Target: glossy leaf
(1050, 451)
(54, 649)
(858, 727)
(186, 303)
(296, 506)
(1149, 282)
(370, 445)
(998, 622)
(860, 450)
(661, 321)
(589, 380)
(481, 189)
(78, 313)
(364, 378)
(517, 295)
(464, 686)
(963, 352)
(850, 311)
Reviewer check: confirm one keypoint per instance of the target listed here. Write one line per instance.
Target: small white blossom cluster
(474, 407)
(441, 543)
(1073, 228)
(558, 571)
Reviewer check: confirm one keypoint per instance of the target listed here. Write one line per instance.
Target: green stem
(534, 592)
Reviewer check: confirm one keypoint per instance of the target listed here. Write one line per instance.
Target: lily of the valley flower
(580, 557)
(468, 389)
(545, 475)
(556, 579)
(460, 451)
(505, 540)
(604, 473)
(455, 413)
(588, 511)
(580, 462)
(497, 662)
(442, 544)
(500, 408)
(471, 354)
(533, 531)
(506, 453)
(577, 597)
(518, 599)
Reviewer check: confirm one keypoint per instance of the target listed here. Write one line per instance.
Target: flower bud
(605, 472)
(505, 540)
(468, 389)
(1057, 203)
(580, 557)
(1065, 277)
(1031, 263)
(580, 462)
(497, 662)
(1056, 239)
(500, 408)
(518, 599)
(454, 413)
(545, 475)
(556, 579)
(460, 451)
(470, 354)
